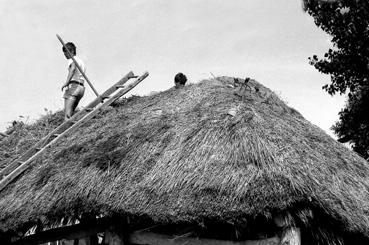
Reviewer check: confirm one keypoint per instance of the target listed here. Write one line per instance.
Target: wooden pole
(78, 67)
(291, 235)
(72, 232)
(141, 238)
(112, 238)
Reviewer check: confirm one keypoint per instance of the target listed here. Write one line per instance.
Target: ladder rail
(15, 163)
(20, 169)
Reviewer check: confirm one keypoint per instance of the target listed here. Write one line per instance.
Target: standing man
(75, 82)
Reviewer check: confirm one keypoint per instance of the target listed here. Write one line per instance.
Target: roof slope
(206, 150)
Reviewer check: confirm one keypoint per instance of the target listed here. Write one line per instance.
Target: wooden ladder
(17, 167)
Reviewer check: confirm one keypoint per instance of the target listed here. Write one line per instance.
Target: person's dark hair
(71, 47)
(180, 78)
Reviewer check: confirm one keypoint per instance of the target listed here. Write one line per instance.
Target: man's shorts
(74, 90)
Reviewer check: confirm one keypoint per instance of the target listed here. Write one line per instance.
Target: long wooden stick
(78, 67)
(84, 230)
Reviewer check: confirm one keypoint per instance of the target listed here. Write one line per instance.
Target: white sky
(267, 40)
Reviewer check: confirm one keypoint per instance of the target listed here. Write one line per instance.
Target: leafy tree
(353, 124)
(347, 22)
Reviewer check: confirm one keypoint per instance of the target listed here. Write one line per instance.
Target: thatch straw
(206, 150)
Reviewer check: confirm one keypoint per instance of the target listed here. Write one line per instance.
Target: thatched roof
(208, 150)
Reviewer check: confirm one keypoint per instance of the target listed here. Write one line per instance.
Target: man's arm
(71, 72)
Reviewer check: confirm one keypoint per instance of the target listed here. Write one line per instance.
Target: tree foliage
(353, 124)
(347, 22)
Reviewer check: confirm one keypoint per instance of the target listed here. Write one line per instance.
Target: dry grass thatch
(208, 150)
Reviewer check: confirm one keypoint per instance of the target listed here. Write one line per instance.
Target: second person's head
(180, 80)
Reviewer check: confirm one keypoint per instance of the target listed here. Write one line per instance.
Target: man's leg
(69, 107)
(76, 101)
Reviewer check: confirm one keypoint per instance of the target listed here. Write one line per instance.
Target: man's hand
(65, 85)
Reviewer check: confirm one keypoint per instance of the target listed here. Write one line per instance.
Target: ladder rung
(89, 109)
(56, 135)
(105, 97)
(120, 86)
(20, 162)
(133, 77)
(38, 148)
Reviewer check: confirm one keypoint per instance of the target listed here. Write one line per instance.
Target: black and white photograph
(184, 122)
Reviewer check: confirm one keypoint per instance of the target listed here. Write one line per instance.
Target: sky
(267, 40)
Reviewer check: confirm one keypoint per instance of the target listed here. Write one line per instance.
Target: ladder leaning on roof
(17, 167)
